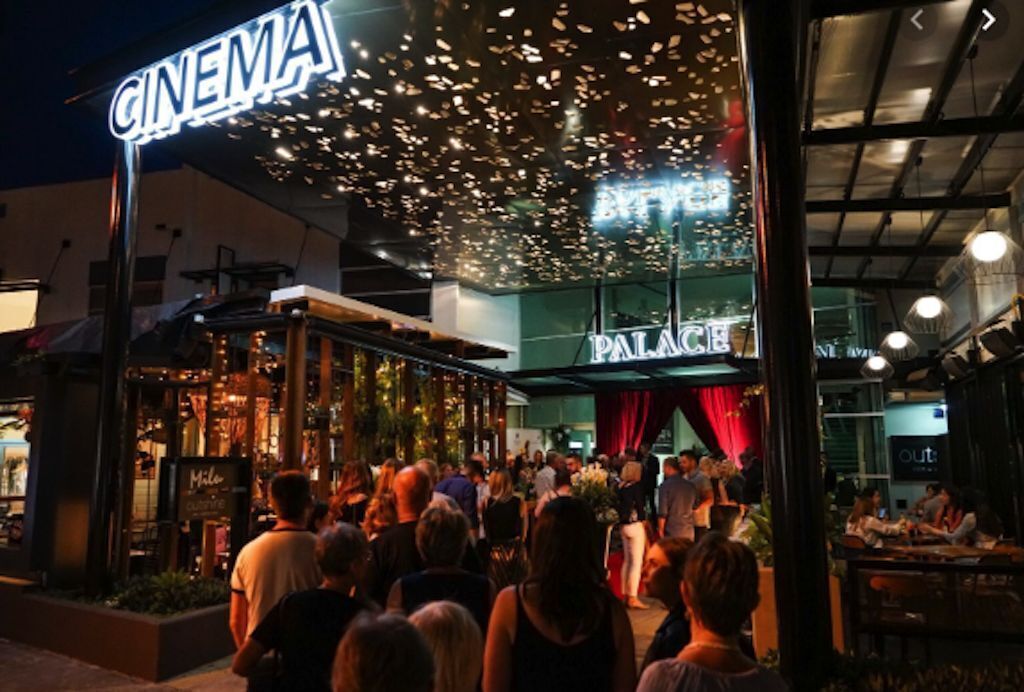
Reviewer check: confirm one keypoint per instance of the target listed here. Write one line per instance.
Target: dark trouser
(699, 532)
(649, 499)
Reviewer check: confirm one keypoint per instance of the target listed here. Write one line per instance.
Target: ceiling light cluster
(486, 133)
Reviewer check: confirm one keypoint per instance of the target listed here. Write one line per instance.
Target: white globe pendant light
(928, 315)
(898, 346)
(876, 367)
(989, 246)
(991, 255)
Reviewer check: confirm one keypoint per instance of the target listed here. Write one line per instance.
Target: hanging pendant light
(876, 368)
(990, 255)
(928, 315)
(898, 346)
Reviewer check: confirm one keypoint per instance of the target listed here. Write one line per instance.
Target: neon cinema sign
(625, 202)
(274, 55)
(695, 339)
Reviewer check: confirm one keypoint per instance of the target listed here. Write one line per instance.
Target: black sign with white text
(206, 488)
(917, 457)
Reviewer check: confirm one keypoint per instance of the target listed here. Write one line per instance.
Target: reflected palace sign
(692, 339)
(638, 201)
(272, 56)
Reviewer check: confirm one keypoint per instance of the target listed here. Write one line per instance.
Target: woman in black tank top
(562, 630)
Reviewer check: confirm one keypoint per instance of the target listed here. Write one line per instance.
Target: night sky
(41, 139)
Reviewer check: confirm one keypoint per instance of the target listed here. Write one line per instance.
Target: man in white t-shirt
(279, 561)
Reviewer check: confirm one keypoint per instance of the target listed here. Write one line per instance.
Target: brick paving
(25, 668)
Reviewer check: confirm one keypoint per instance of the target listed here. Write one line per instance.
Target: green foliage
(168, 594)
(591, 486)
(758, 534)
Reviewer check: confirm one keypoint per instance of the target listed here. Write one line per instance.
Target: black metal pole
(117, 325)
(770, 35)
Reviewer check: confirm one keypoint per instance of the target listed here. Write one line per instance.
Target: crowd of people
(433, 577)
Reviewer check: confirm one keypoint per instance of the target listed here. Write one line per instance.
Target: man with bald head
(393, 554)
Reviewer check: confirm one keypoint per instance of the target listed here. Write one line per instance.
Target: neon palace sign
(692, 339)
(272, 56)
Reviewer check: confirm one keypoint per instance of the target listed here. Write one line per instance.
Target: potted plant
(591, 486)
(758, 535)
(153, 627)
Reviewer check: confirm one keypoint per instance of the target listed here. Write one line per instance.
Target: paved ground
(24, 669)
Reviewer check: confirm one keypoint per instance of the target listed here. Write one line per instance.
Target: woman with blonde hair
(632, 514)
(456, 642)
(383, 654)
(353, 495)
(386, 477)
(504, 513)
(505, 521)
(381, 513)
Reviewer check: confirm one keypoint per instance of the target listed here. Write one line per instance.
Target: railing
(979, 601)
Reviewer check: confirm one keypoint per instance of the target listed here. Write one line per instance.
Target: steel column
(117, 326)
(294, 391)
(770, 36)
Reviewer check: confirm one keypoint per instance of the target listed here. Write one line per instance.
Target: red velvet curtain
(736, 427)
(625, 419)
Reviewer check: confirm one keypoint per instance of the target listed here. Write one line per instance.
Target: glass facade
(555, 324)
(853, 432)
(15, 456)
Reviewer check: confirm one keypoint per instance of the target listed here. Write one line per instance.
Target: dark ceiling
(470, 140)
(904, 156)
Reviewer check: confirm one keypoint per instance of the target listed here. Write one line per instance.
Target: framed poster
(917, 457)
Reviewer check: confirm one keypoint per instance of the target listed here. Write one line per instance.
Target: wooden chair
(905, 600)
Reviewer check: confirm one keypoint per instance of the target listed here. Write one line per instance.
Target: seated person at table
(980, 526)
(720, 591)
(305, 627)
(928, 506)
(951, 512)
(864, 522)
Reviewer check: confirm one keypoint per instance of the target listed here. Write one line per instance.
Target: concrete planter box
(765, 621)
(144, 646)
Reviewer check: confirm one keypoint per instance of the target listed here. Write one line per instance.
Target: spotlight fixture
(928, 315)
(1000, 342)
(898, 345)
(956, 366)
(876, 368)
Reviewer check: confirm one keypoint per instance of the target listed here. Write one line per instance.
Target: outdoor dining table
(937, 552)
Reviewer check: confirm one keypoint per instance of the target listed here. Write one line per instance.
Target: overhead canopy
(509, 145)
(356, 313)
(516, 145)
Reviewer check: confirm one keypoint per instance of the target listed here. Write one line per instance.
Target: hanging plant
(749, 394)
(559, 437)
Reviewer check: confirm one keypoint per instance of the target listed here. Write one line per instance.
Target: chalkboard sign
(917, 457)
(197, 488)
